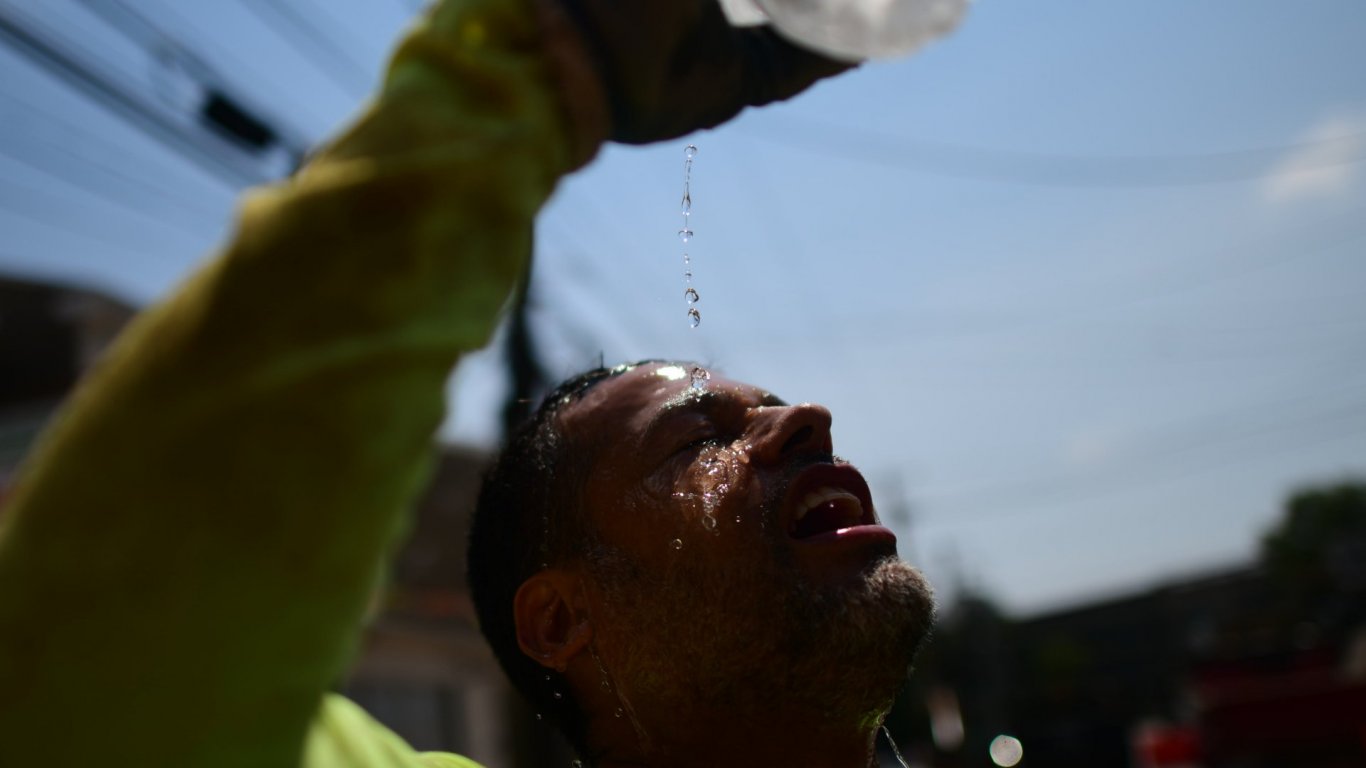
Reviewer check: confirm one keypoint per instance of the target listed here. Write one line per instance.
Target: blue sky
(1082, 284)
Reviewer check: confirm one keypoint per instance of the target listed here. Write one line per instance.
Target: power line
(169, 12)
(357, 83)
(1054, 170)
(50, 217)
(1172, 449)
(47, 49)
(80, 180)
(56, 211)
(80, 174)
(221, 107)
(411, 6)
(1316, 237)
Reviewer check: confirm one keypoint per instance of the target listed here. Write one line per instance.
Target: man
(186, 557)
(687, 576)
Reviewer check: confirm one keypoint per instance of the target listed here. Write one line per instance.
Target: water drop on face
(606, 684)
(619, 712)
(737, 519)
(676, 543)
(694, 317)
(691, 295)
(709, 523)
(698, 377)
(557, 695)
(896, 752)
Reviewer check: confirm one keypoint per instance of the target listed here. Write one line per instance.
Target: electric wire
(47, 217)
(586, 281)
(1314, 238)
(162, 46)
(354, 82)
(82, 169)
(1062, 495)
(258, 78)
(861, 145)
(49, 51)
(63, 215)
(34, 196)
(1171, 448)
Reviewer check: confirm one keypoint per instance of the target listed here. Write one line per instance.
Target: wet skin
(659, 446)
(789, 614)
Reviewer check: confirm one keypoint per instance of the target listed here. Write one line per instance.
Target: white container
(852, 30)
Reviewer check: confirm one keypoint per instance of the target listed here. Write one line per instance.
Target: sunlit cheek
(710, 493)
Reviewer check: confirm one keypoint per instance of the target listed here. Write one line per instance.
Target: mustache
(777, 490)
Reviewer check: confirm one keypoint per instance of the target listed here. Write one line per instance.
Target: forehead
(625, 405)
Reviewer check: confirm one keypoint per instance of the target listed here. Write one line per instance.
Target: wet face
(736, 558)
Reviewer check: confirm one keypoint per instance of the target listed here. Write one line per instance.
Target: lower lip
(858, 533)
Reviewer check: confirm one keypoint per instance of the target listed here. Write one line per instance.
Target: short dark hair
(529, 516)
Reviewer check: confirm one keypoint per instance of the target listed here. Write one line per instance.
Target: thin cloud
(1327, 165)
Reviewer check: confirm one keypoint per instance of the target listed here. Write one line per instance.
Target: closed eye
(701, 443)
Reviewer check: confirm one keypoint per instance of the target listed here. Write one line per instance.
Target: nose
(785, 431)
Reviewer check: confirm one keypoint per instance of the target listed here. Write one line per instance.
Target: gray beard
(692, 638)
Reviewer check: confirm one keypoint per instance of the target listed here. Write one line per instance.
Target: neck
(722, 739)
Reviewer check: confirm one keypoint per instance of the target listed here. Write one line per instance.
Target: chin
(863, 640)
(715, 641)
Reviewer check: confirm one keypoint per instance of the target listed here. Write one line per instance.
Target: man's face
(737, 558)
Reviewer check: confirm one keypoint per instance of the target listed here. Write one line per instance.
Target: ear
(552, 626)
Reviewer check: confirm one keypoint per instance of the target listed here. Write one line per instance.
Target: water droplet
(686, 234)
(737, 519)
(576, 764)
(709, 522)
(895, 751)
(606, 684)
(557, 695)
(676, 543)
(619, 712)
(539, 716)
(698, 377)
(547, 678)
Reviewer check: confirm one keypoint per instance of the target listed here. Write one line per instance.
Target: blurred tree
(1311, 550)
(1315, 559)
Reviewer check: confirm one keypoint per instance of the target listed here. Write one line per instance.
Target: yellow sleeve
(187, 554)
(344, 736)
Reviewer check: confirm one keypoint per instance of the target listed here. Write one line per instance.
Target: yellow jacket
(188, 552)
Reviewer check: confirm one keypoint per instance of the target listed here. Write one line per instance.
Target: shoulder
(343, 734)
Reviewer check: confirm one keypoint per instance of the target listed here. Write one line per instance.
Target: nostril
(799, 437)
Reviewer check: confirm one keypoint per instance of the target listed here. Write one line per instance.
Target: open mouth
(828, 498)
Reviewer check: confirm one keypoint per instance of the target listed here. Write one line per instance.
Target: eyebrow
(687, 401)
(693, 401)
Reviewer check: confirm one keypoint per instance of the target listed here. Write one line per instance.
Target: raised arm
(188, 552)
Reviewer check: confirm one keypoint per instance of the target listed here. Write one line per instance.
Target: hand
(671, 67)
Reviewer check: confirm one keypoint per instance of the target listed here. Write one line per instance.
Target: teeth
(826, 495)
